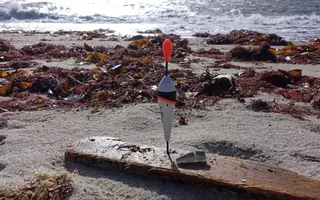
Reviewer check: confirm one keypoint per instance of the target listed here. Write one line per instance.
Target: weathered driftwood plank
(220, 171)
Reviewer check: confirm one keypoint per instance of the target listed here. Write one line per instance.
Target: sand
(36, 141)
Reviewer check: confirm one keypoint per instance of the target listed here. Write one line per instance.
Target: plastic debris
(118, 69)
(126, 75)
(287, 58)
(76, 98)
(192, 157)
(218, 85)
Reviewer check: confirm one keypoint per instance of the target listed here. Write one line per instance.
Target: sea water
(291, 19)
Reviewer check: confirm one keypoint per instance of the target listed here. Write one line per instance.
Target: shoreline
(35, 141)
(119, 29)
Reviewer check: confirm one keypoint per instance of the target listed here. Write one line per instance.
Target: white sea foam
(181, 16)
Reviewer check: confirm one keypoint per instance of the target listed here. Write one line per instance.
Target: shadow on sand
(171, 189)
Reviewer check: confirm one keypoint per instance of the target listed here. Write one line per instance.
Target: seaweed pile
(251, 54)
(131, 74)
(55, 186)
(299, 89)
(290, 53)
(245, 37)
(122, 75)
(96, 88)
(299, 54)
(295, 54)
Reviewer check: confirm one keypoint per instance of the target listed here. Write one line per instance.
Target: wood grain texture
(220, 171)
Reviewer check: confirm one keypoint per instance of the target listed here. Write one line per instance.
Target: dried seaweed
(17, 65)
(259, 106)
(223, 65)
(130, 75)
(6, 46)
(251, 54)
(246, 37)
(97, 88)
(43, 186)
(285, 108)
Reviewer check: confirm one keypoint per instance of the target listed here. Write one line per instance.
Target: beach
(35, 141)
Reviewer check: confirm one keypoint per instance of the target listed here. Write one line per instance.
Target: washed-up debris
(284, 108)
(6, 46)
(307, 157)
(41, 51)
(298, 54)
(129, 74)
(138, 44)
(316, 102)
(14, 56)
(135, 83)
(55, 186)
(26, 101)
(182, 121)
(251, 54)
(136, 37)
(12, 65)
(292, 94)
(276, 78)
(46, 84)
(192, 157)
(89, 35)
(47, 51)
(97, 58)
(211, 53)
(252, 82)
(278, 82)
(259, 106)
(294, 75)
(246, 37)
(217, 86)
(201, 35)
(41, 48)
(155, 31)
(224, 65)
(99, 33)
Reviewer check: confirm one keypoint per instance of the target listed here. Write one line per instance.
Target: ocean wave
(33, 12)
(311, 19)
(26, 15)
(174, 16)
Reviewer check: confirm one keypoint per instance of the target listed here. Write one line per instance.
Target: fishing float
(166, 93)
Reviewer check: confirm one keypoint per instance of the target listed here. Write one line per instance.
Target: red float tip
(167, 49)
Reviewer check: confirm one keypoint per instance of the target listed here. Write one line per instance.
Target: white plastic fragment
(192, 157)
